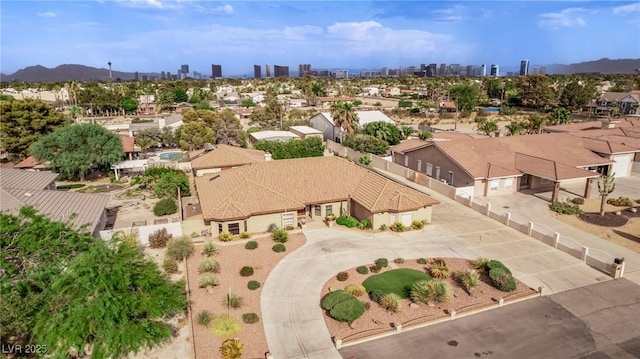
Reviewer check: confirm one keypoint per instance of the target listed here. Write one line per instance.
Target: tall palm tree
(344, 116)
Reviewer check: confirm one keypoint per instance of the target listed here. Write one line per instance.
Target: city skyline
(156, 35)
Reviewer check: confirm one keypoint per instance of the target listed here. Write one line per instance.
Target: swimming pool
(170, 156)
(491, 109)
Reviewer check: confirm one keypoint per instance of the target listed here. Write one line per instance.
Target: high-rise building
(483, 70)
(216, 71)
(136, 76)
(495, 70)
(163, 76)
(304, 69)
(257, 72)
(469, 71)
(184, 69)
(524, 67)
(342, 74)
(280, 71)
(268, 74)
(443, 70)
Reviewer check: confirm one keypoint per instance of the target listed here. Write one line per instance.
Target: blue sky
(160, 35)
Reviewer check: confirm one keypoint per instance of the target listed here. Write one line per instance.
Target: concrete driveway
(598, 321)
(293, 319)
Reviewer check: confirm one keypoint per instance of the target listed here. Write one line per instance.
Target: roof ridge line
(386, 183)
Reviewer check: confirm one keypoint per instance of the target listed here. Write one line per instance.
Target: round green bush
(376, 294)
(179, 248)
(362, 270)
(492, 264)
(253, 284)
(280, 235)
(382, 262)
(251, 245)
(342, 220)
(502, 279)
(246, 271)
(335, 297)
(250, 318)
(278, 248)
(351, 222)
(209, 265)
(421, 261)
(165, 206)
(170, 265)
(348, 310)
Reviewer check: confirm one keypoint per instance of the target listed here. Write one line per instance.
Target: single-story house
(305, 132)
(37, 189)
(491, 166)
(217, 158)
(447, 106)
(323, 122)
(288, 192)
(282, 136)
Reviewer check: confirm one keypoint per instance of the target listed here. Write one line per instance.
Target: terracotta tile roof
(600, 145)
(475, 155)
(225, 156)
(549, 169)
(28, 162)
(128, 143)
(449, 105)
(283, 185)
(450, 135)
(410, 145)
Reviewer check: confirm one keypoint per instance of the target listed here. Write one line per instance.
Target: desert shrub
(383, 227)
(226, 327)
(565, 207)
(362, 270)
(348, 310)
(278, 248)
(439, 269)
(355, 290)
(376, 294)
(441, 290)
(232, 300)
(210, 249)
(420, 292)
(398, 260)
(577, 200)
(204, 318)
(417, 224)
(334, 298)
(253, 284)
(502, 279)
(250, 318)
(342, 220)
(492, 264)
(391, 302)
(179, 248)
(280, 235)
(209, 265)
(468, 279)
(165, 206)
(159, 238)
(207, 280)
(374, 269)
(421, 261)
(289, 228)
(169, 265)
(365, 224)
(231, 349)
(350, 222)
(397, 227)
(246, 271)
(367, 305)
(382, 262)
(620, 202)
(342, 276)
(245, 235)
(272, 227)
(251, 245)
(481, 263)
(225, 236)
(428, 292)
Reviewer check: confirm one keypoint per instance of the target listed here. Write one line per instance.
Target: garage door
(406, 219)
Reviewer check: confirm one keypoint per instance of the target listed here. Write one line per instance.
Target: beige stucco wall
(432, 155)
(201, 172)
(255, 224)
(482, 187)
(387, 218)
(337, 208)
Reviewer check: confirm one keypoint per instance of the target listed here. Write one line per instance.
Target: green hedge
(334, 298)
(165, 206)
(343, 306)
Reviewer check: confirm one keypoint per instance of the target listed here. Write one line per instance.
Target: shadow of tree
(626, 235)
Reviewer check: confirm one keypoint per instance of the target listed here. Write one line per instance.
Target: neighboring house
(282, 136)
(217, 158)
(371, 91)
(37, 189)
(131, 150)
(32, 164)
(324, 122)
(146, 105)
(305, 132)
(392, 91)
(288, 192)
(447, 106)
(328, 101)
(626, 102)
(297, 103)
(491, 166)
(242, 113)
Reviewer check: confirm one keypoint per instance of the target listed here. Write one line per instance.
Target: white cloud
(224, 9)
(47, 14)
(626, 9)
(566, 18)
(451, 10)
(153, 4)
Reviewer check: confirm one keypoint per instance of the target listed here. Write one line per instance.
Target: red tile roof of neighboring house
(448, 105)
(225, 156)
(128, 143)
(28, 162)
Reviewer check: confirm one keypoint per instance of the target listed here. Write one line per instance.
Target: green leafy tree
(486, 126)
(535, 91)
(535, 123)
(308, 147)
(129, 105)
(384, 131)
(560, 116)
(229, 130)
(180, 95)
(75, 111)
(366, 144)
(248, 103)
(73, 149)
(514, 128)
(344, 116)
(164, 100)
(465, 96)
(425, 135)
(575, 96)
(271, 115)
(23, 122)
(605, 187)
(405, 104)
(111, 298)
(407, 131)
(195, 134)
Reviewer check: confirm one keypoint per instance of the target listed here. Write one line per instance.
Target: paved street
(598, 321)
(293, 320)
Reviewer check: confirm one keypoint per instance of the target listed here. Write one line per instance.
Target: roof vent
(214, 177)
(28, 194)
(209, 147)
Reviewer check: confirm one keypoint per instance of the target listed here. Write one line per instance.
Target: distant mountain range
(64, 73)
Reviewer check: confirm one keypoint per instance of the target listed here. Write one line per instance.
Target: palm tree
(605, 188)
(513, 129)
(345, 117)
(74, 112)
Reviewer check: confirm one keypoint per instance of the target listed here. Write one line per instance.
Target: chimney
(609, 123)
(267, 156)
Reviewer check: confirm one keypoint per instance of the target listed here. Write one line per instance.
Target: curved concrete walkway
(292, 317)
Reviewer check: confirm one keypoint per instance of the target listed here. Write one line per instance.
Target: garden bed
(611, 219)
(377, 320)
(232, 258)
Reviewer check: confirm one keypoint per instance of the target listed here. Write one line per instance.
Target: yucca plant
(226, 327)
(210, 249)
(225, 236)
(481, 263)
(231, 349)
(468, 279)
(439, 269)
(441, 291)
(233, 301)
(421, 292)
(391, 302)
(209, 265)
(208, 280)
(204, 318)
(429, 292)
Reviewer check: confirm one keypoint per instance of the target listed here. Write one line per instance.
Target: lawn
(395, 281)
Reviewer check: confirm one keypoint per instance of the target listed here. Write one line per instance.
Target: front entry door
(525, 181)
